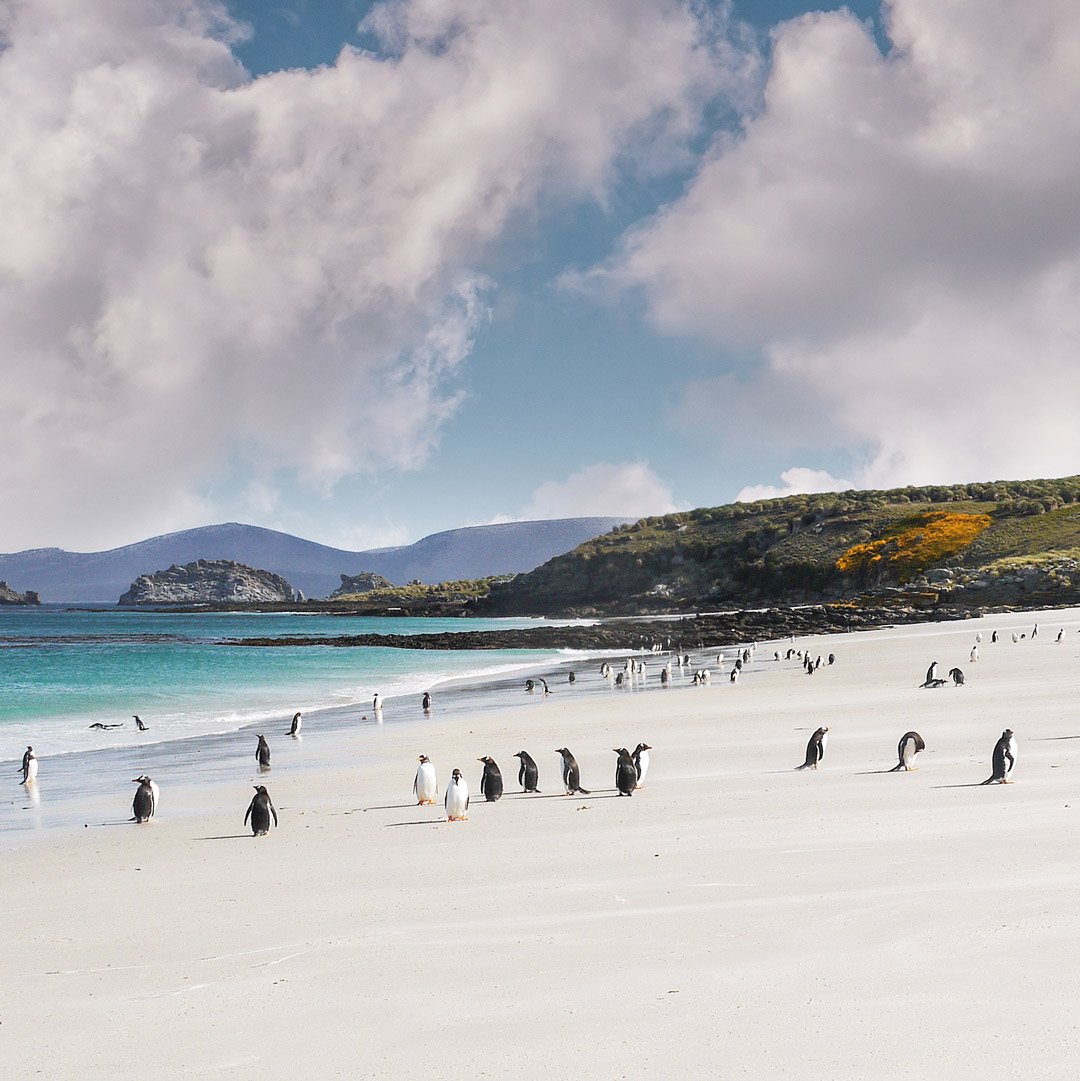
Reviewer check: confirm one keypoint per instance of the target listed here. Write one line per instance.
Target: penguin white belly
(426, 787)
(1012, 750)
(643, 762)
(909, 753)
(31, 771)
(457, 800)
(154, 798)
(824, 743)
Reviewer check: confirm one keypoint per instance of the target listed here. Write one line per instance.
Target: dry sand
(734, 919)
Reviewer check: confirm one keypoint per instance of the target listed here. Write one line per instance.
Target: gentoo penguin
(571, 678)
(1060, 636)
(376, 702)
(491, 784)
(978, 636)
(29, 766)
(993, 637)
(664, 677)
(530, 685)
(1015, 637)
(262, 753)
(832, 658)
(815, 749)
(104, 727)
(957, 677)
(259, 811)
(146, 797)
(139, 724)
(734, 677)
(425, 787)
(528, 774)
(425, 702)
(641, 763)
(297, 724)
(571, 775)
(931, 674)
(625, 774)
(619, 678)
(738, 664)
(456, 800)
(911, 743)
(974, 655)
(1004, 758)
(547, 689)
(1035, 631)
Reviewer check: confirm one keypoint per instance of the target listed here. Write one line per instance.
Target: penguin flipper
(273, 811)
(247, 815)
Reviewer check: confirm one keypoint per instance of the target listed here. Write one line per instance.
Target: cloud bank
(197, 266)
(622, 489)
(898, 238)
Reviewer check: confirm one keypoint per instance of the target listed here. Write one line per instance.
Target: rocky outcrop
(9, 596)
(364, 582)
(208, 581)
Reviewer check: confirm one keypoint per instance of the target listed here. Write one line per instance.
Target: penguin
(456, 800)
(262, 753)
(29, 767)
(978, 636)
(571, 775)
(139, 724)
(993, 637)
(619, 679)
(571, 678)
(491, 784)
(738, 664)
(528, 774)
(297, 724)
(957, 677)
(376, 702)
(641, 763)
(815, 749)
(974, 655)
(1060, 636)
(911, 743)
(146, 797)
(720, 660)
(259, 811)
(547, 689)
(1015, 637)
(425, 786)
(425, 702)
(530, 685)
(665, 677)
(605, 670)
(734, 677)
(931, 674)
(104, 727)
(1035, 631)
(832, 658)
(1003, 759)
(625, 774)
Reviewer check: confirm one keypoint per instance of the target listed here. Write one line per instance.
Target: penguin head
(422, 758)
(486, 759)
(642, 747)
(457, 775)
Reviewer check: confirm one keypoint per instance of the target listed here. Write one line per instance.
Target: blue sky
(536, 260)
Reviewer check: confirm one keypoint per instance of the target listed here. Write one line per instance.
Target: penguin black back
(262, 753)
(571, 773)
(528, 774)
(259, 811)
(491, 784)
(625, 773)
(815, 749)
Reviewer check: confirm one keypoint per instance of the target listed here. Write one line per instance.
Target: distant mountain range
(316, 569)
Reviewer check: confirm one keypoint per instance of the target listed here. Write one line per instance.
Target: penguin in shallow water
(491, 784)
(911, 743)
(456, 800)
(260, 810)
(1003, 759)
(297, 724)
(139, 724)
(528, 774)
(425, 702)
(815, 749)
(956, 676)
(262, 753)
(571, 678)
(571, 775)
(625, 774)
(530, 685)
(376, 702)
(665, 676)
(29, 766)
(734, 677)
(641, 763)
(146, 797)
(425, 786)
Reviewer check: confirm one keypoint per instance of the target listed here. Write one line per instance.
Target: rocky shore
(10, 596)
(209, 581)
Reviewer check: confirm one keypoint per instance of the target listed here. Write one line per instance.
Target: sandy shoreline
(734, 919)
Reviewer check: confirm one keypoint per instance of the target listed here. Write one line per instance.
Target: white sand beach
(735, 918)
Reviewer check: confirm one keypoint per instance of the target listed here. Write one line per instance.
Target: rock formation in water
(208, 581)
(364, 582)
(9, 596)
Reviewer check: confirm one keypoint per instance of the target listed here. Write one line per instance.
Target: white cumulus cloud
(796, 481)
(897, 238)
(199, 267)
(623, 489)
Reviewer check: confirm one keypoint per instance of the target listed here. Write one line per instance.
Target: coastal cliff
(208, 581)
(9, 596)
(364, 582)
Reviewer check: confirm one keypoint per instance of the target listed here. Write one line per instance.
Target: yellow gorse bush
(914, 544)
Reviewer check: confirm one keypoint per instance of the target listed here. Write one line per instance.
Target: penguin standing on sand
(956, 676)
(376, 702)
(571, 678)
(993, 637)
(491, 784)
(734, 677)
(29, 767)
(911, 743)
(625, 774)
(815, 749)
(456, 800)
(260, 810)
(425, 786)
(297, 724)
(528, 774)
(425, 702)
(664, 677)
(931, 674)
(641, 763)
(139, 724)
(974, 655)
(1060, 636)
(571, 775)
(262, 753)
(1004, 758)
(146, 797)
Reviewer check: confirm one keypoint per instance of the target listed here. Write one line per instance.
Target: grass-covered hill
(1002, 542)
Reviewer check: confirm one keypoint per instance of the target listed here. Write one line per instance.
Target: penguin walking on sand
(641, 763)
(297, 724)
(571, 775)
(425, 786)
(911, 743)
(528, 774)
(625, 774)
(957, 677)
(260, 810)
(571, 678)
(1003, 759)
(491, 784)
(456, 800)
(993, 637)
(425, 702)
(734, 677)
(1060, 636)
(139, 723)
(974, 655)
(262, 753)
(815, 749)
(146, 797)
(29, 767)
